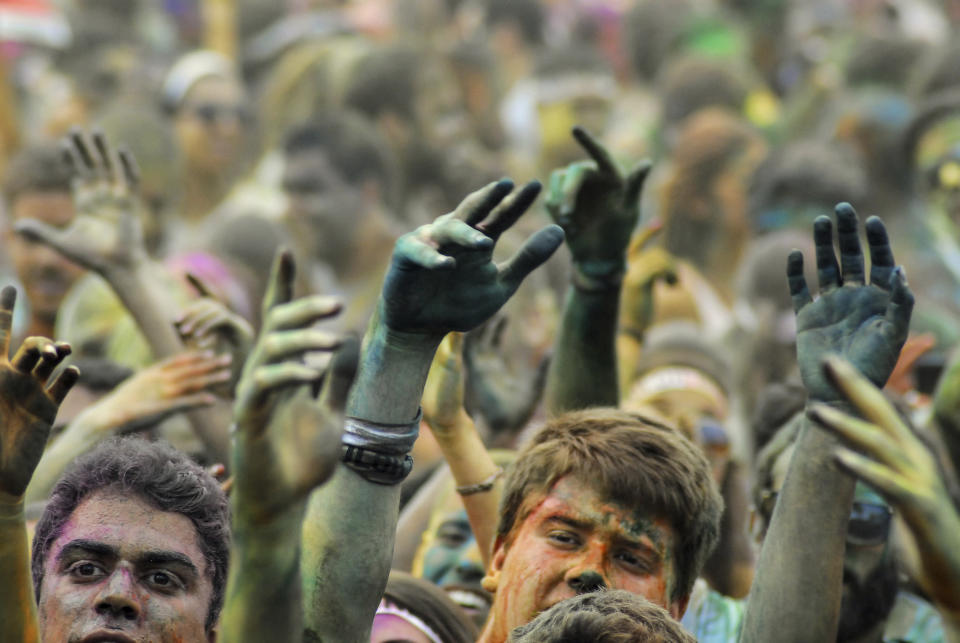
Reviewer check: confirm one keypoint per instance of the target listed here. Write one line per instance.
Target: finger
(900, 306)
(534, 252)
(412, 251)
(799, 292)
(555, 196)
(597, 152)
(28, 354)
(643, 236)
(510, 209)
(454, 232)
(881, 256)
(106, 157)
(303, 312)
(865, 397)
(577, 174)
(50, 359)
(340, 376)
(193, 319)
(202, 382)
(280, 288)
(62, 383)
(289, 343)
(886, 482)
(635, 182)
(476, 206)
(81, 155)
(131, 171)
(202, 365)
(198, 284)
(869, 438)
(828, 272)
(273, 377)
(8, 299)
(222, 319)
(851, 255)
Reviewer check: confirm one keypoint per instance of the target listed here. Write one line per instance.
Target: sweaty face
(575, 541)
(123, 569)
(45, 274)
(450, 558)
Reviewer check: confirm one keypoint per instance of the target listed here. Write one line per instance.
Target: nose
(118, 598)
(586, 581)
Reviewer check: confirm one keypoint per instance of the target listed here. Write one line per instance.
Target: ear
(491, 581)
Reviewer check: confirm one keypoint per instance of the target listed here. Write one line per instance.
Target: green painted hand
(287, 442)
(866, 324)
(29, 399)
(442, 277)
(597, 206)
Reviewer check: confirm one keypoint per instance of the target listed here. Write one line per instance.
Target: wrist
(11, 508)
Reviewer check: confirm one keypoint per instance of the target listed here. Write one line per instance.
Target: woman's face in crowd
(450, 559)
(210, 125)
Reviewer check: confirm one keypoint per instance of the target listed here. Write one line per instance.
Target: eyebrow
(83, 546)
(163, 557)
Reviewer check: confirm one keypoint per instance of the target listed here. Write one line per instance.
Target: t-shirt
(714, 618)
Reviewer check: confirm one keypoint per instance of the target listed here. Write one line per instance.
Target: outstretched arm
(285, 444)
(597, 206)
(29, 399)
(893, 460)
(798, 584)
(106, 237)
(441, 278)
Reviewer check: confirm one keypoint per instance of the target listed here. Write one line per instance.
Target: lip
(107, 636)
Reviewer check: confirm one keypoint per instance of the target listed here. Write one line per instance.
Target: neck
(202, 191)
(492, 632)
(39, 327)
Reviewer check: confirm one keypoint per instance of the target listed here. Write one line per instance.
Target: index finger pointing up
(597, 152)
(8, 298)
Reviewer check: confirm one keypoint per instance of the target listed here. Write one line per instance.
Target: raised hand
(106, 232)
(865, 323)
(442, 278)
(287, 442)
(598, 206)
(502, 394)
(891, 458)
(29, 399)
(207, 323)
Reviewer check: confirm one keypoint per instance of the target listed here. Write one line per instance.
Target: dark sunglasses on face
(210, 113)
(869, 522)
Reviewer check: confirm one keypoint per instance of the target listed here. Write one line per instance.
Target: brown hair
(41, 168)
(430, 604)
(633, 461)
(606, 616)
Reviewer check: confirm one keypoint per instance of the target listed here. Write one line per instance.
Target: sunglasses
(869, 522)
(211, 113)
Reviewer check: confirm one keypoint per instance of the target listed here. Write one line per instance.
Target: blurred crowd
(208, 204)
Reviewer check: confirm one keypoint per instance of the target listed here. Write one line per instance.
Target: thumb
(36, 230)
(634, 183)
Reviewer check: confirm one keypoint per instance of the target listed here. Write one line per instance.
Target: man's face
(450, 559)
(123, 569)
(45, 274)
(574, 541)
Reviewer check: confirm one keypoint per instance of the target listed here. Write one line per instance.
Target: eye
(564, 539)
(632, 562)
(163, 580)
(85, 570)
(452, 536)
